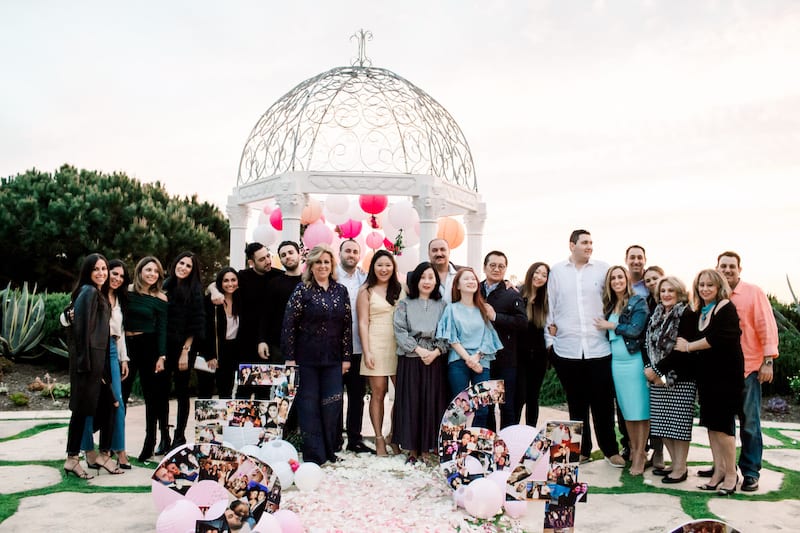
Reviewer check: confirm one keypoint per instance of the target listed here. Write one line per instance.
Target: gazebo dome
(358, 119)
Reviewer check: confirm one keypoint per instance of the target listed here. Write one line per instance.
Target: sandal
(108, 468)
(395, 447)
(380, 446)
(76, 469)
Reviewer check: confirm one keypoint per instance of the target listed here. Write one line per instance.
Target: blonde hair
(680, 289)
(138, 282)
(723, 293)
(609, 296)
(314, 257)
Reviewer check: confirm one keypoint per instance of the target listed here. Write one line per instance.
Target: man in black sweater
(279, 290)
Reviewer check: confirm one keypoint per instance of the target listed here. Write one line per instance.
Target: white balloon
(483, 498)
(277, 451)
(265, 234)
(251, 450)
(355, 212)
(284, 473)
(402, 214)
(407, 261)
(263, 218)
(336, 208)
(458, 496)
(499, 478)
(308, 477)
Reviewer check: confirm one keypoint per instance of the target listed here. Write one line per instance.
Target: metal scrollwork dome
(358, 119)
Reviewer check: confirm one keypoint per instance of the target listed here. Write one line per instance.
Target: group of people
(626, 332)
(635, 334)
(120, 328)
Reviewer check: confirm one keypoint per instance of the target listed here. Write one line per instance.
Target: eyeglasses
(496, 266)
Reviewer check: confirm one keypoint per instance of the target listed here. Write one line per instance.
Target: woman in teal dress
(625, 321)
(473, 341)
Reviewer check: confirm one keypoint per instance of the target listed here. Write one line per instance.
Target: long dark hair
(416, 275)
(477, 298)
(180, 290)
(395, 288)
(235, 295)
(85, 276)
(121, 293)
(538, 306)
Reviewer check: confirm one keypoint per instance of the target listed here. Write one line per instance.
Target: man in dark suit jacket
(506, 310)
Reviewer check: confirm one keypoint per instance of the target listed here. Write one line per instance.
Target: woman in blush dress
(318, 337)
(375, 305)
(421, 390)
(533, 353)
(473, 340)
(625, 322)
(716, 351)
(672, 379)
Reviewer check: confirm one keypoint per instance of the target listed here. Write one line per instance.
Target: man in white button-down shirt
(581, 354)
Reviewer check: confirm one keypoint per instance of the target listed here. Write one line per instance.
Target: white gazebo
(357, 130)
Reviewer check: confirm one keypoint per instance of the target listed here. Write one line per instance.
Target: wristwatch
(768, 361)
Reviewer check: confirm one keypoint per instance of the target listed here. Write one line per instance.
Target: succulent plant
(22, 320)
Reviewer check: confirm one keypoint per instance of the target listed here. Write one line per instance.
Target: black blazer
(510, 322)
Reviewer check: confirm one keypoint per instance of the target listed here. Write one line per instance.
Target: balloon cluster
(394, 227)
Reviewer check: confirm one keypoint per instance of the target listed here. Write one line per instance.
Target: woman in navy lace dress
(318, 337)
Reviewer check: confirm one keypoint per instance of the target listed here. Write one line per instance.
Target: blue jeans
(118, 433)
(750, 427)
(460, 377)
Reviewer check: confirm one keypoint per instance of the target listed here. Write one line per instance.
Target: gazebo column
(291, 208)
(425, 207)
(474, 222)
(237, 216)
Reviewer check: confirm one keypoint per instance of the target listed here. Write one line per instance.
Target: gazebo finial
(362, 36)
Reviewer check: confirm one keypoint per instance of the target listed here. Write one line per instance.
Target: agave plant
(23, 320)
(796, 302)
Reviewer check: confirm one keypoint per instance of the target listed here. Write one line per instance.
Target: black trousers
(223, 377)
(530, 376)
(589, 386)
(143, 353)
(355, 385)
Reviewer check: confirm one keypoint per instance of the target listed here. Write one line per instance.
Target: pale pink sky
(674, 124)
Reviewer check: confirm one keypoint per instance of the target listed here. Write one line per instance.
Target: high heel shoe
(108, 467)
(76, 469)
(709, 486)
(122, 455)
(670, 480)
(727, 492)
(395, 448)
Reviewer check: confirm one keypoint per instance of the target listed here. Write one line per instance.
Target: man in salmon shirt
(760, 347)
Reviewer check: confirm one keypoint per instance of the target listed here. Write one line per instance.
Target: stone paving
(34, 484)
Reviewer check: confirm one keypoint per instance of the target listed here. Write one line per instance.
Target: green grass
(35, 430)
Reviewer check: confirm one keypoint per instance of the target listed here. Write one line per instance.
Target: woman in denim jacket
(625, 321)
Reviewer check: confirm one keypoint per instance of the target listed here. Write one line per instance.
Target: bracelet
(164, 357)
(187, 348)
(688, 347)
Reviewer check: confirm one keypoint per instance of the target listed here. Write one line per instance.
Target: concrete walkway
(365, 493)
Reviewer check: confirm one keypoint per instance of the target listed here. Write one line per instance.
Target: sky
(673, 124)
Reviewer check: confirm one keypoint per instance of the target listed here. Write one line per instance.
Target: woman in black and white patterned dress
(672, 380)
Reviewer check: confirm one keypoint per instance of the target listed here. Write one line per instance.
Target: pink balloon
(267, 209)
(375, 240)
(289, 521)
(164, 496)
(268, 524)
(179, 517)
(206, 493)
(373, 203)
(515, 509)
(350, 229)
(276, 219)
(317, 233)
